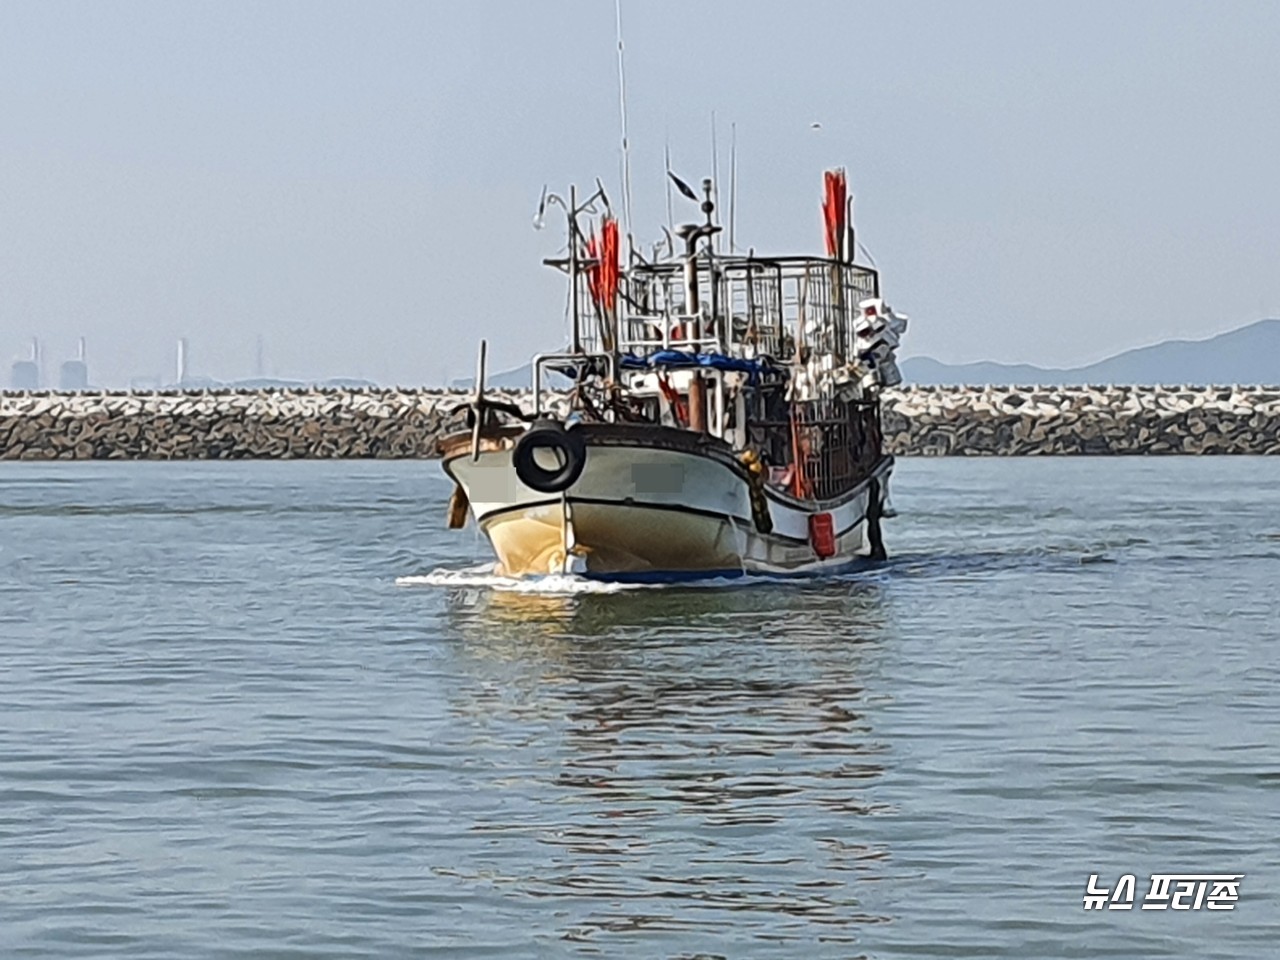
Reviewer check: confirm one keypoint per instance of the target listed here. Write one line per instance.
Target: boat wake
(906, 566)
(483, 577)
(550, 585)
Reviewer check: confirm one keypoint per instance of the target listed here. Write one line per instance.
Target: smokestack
(258, 370)
(74, 374)
(25, 374)
(182, 360)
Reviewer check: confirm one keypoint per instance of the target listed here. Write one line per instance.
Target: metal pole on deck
(573, 269)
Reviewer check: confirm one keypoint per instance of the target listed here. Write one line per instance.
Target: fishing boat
(718, 414)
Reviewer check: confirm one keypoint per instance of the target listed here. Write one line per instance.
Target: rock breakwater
(1018, 421)
(397, 423)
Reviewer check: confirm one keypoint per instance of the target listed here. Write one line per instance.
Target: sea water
(277, 710)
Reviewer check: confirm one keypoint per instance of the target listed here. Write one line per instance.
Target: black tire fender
(550, 435)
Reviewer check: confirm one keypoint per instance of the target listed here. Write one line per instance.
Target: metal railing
(746, 306)
(825, 447)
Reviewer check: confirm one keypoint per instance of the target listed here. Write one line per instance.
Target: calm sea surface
(226, 731)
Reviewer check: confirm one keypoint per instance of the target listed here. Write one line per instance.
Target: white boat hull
(652, 513)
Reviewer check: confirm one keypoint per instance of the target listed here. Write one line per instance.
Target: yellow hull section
(612, 538)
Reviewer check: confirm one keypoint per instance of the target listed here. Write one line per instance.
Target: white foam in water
(483, 576)
(561, 584)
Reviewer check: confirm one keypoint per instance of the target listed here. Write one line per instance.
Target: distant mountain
(1249, 355)
(518, 379)
(272, 383)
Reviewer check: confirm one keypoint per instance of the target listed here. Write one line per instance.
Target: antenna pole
(666, 153)
(622, 107)
(715, 173)
(573, 268)
(733, 182)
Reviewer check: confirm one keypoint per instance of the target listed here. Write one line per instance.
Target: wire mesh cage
(835, 443)
(818, 449)
(764, 305)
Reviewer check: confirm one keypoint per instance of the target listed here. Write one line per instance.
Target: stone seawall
(290, 424)
(1015, 421)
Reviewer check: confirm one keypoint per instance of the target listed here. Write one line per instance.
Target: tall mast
(714, 196)
(622, 107)
(733, 183)
(666, 158)
(573, 269)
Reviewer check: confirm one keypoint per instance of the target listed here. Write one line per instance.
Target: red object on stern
(822, 535)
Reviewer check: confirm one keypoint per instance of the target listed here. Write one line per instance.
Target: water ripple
(275, 710)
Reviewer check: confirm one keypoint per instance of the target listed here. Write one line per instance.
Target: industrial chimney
(74, 374)
(25, 374)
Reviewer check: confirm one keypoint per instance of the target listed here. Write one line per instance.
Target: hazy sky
(355, 182)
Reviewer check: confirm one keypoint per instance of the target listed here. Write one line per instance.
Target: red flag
(835, 211)
(602, 275)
